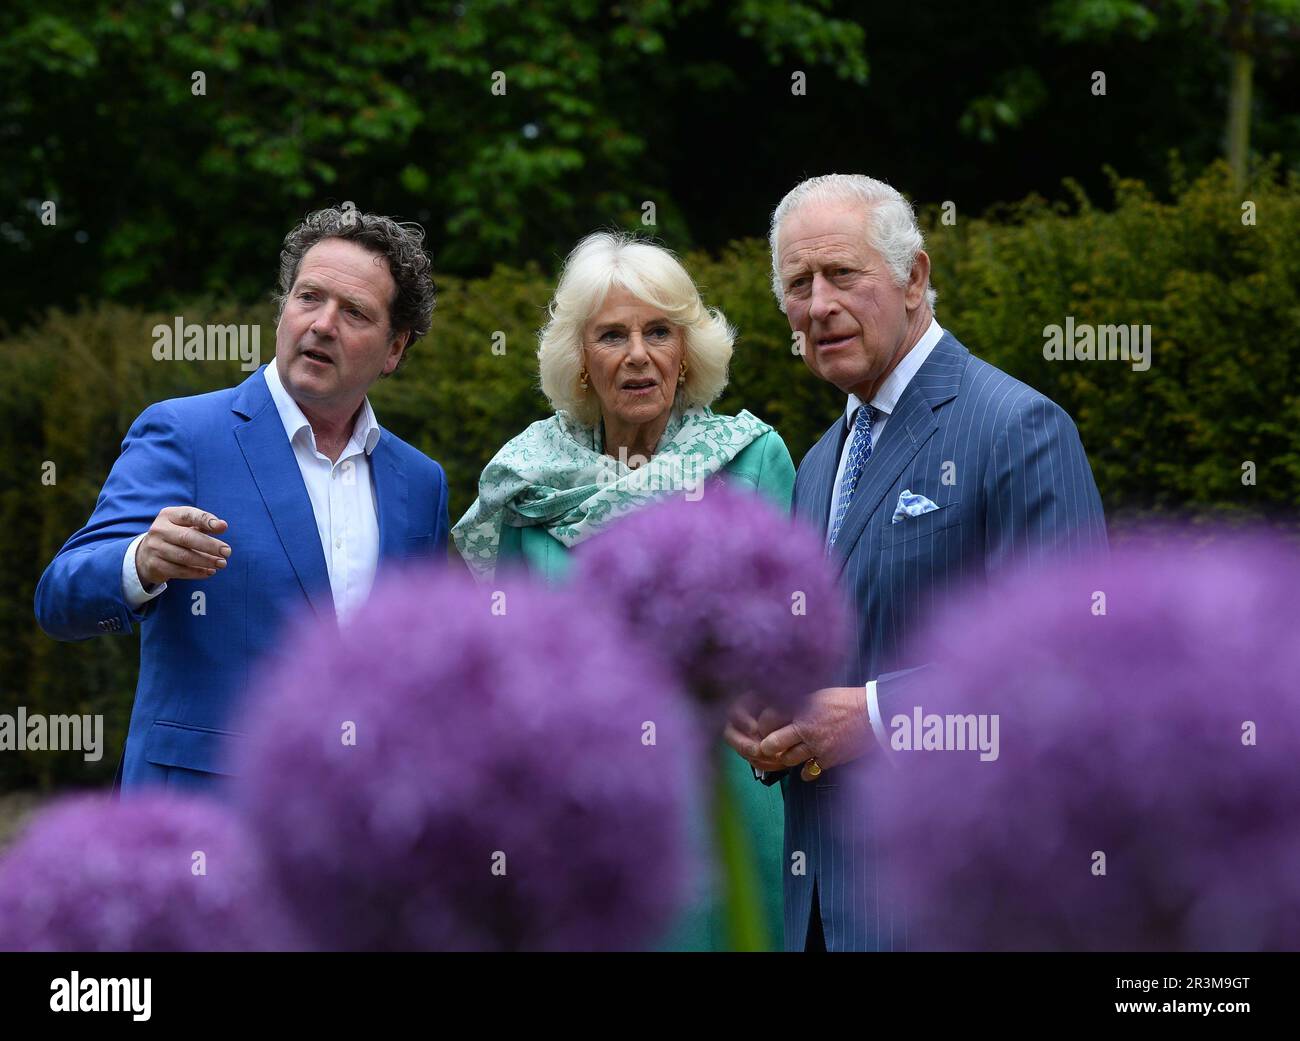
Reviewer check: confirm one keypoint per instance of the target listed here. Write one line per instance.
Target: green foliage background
(163, 192)
(1221, 296)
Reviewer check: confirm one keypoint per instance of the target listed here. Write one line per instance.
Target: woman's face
(633, 355)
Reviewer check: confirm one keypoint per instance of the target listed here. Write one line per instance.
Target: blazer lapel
(822, 460)
(909, 427)
(390, 498)
(275, 471)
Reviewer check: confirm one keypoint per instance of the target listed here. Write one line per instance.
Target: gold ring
(813, 767)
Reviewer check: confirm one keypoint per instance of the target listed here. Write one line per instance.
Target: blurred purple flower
(1162, 734)
(737, 595)
(504, 789)
(93, 874)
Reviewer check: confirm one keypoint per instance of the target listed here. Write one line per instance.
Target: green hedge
(1220, 296)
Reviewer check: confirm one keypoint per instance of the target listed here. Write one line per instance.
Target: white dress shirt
(885, 401)
(342, 501)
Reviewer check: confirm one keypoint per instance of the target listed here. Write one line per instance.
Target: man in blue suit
(941, 471)
(228, 513)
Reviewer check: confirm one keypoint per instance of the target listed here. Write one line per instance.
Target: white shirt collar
(365, 432)
(886, 399)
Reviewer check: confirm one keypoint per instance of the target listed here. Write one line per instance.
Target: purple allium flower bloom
(1162, 735)
(90, 873)
(741, 598)
(472, 768)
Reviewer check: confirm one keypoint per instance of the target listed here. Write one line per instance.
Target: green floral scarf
(556, 474)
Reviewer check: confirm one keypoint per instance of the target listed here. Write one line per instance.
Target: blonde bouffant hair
(651, 273)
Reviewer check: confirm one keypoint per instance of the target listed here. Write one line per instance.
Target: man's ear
(918, 280)
(396, 351)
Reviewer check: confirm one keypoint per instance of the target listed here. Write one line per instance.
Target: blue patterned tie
(859, 453)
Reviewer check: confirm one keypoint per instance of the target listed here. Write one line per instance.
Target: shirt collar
(365, 432)
(886, 399)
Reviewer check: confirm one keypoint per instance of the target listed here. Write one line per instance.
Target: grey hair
(892, 228)
(652, 273)
(401, 245)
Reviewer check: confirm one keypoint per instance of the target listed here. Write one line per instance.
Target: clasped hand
(833, 727)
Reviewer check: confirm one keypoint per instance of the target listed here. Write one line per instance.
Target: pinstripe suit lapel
(819, 465)
(940, 377)
(910, 425)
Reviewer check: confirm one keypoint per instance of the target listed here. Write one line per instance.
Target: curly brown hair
(401, 245)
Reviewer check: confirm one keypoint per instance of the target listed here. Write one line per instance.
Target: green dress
(766, 467)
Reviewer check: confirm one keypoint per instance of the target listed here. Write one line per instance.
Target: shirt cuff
(132, 589)
(873, 711)
(878, 724)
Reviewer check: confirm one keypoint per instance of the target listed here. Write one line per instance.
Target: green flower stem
(742, 907)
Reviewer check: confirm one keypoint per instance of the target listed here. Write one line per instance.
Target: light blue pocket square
(910, 505)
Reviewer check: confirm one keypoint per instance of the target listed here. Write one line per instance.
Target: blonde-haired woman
(630, 360)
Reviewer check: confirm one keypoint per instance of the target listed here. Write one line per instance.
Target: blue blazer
(1018, 484)
(225, 452)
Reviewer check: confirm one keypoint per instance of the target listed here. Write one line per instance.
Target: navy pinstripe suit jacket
(1017, 484)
